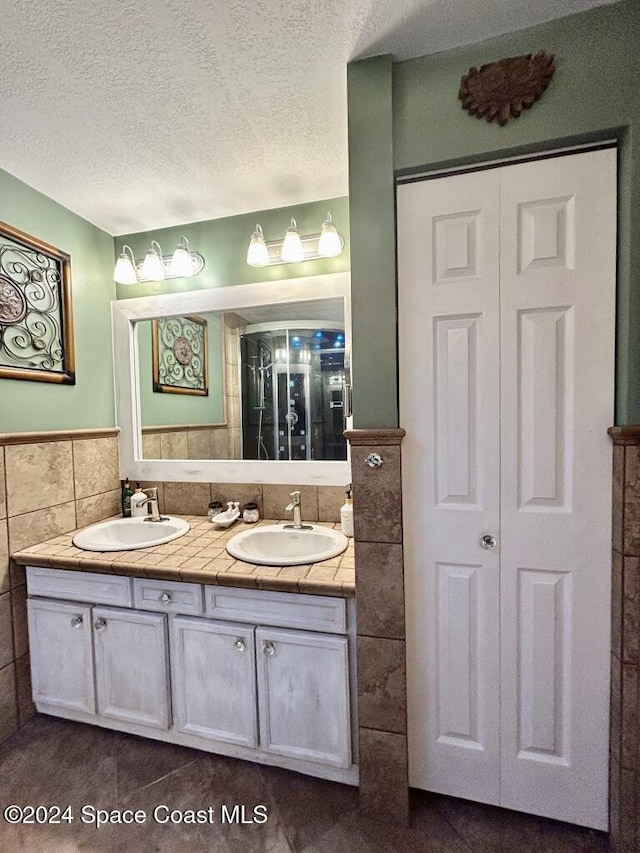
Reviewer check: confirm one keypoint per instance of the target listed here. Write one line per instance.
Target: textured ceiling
(139, 114)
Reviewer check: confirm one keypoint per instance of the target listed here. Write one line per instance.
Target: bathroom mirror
(236, 384)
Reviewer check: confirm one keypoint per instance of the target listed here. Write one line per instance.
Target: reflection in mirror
(275, 382)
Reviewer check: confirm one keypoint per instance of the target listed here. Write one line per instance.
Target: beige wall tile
(151, 445)
(276, 498)
(8, 705)
(243, 492)
(384, 790)
(330, 501)
(4, 556)
(187, 498)
(198, 444)
(34, 527)
(379, 573)
(97, 507)
(630, 627)
(618, 496)
(38, 476)
(96, 466)
(3, 494)
(26, 708)
(173, 445)
(631, 530)
(382, 688)
(6, 632)
(219, 447)
(377, 495)
(20, 630)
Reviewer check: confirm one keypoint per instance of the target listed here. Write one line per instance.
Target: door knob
(268, 648)
(76, 622)
(100, 624)
(240, 644)
(488, 542)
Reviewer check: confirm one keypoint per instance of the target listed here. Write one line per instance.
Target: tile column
(382, 693)
(625, 643)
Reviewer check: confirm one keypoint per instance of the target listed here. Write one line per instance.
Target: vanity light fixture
(294, 248)
(183, 263)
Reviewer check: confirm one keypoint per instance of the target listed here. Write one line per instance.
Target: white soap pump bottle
(346, 514)
(138, 498)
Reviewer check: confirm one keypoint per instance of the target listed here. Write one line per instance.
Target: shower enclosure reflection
(292, 389)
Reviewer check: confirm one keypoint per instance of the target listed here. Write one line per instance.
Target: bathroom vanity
(157, 644)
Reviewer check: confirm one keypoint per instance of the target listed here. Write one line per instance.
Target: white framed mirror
(235, 384)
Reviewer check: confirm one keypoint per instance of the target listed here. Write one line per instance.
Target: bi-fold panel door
(506, 311)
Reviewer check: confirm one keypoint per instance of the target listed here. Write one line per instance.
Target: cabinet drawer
(92, 587)
(284, 609)
(172, 596)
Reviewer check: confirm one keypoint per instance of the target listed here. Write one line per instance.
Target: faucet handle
(152, 492)
(295, 496)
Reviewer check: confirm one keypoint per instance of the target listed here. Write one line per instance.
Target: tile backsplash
(47, 487)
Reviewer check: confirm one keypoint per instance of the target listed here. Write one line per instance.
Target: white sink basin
(126, 534)
(282, 546)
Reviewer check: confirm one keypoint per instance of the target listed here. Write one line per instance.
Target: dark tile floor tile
(141, 762)
(307, 807)
(492, 829)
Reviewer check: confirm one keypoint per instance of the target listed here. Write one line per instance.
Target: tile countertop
(199, 557)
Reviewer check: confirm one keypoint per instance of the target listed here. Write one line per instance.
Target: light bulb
(257, 253)
(330, 242)
(125, 271)
(152, 266)
(181, 262)
(292, 251)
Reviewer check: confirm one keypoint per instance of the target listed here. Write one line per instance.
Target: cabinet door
(303, 690)
(61, 659)
(213, 680)
(132, 673)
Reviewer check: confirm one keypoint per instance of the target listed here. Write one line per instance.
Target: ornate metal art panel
(36, 323)
(179, 353)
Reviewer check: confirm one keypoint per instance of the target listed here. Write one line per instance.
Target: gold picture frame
(180, 356)
(36, 314)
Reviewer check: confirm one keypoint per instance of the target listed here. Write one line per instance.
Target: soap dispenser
(346, 513)
(137, 501)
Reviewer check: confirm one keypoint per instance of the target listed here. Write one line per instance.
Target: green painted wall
(594, 95)
(160, 408)
(31, 406)
(223, 243)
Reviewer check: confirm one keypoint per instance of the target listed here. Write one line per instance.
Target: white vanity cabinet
(132, 666)
(61, 655)
(214, 680)
(266, 676)
(102, 660)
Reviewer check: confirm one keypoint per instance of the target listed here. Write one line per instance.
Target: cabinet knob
(165, 598)
(239, 644)
(268, 648)
(76, 622)
(100, 624)
(374, 460)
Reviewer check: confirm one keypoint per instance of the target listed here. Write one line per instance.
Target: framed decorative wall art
(179, 355)
(36, 319)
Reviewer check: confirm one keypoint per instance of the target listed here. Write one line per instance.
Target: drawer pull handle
(165, 598)
(76, 622)
(100, 624)
(268, 648)
(240, 644)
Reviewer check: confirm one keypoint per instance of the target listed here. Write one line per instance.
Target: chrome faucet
(297, 513)
(152, 502)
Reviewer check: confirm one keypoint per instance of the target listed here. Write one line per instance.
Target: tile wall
(49, 484)
(625, 643)
(382, 692)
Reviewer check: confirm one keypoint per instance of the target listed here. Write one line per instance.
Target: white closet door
(506, 392)
(449, 401)
(557, 273)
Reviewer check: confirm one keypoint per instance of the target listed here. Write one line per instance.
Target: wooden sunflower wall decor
(500, 90)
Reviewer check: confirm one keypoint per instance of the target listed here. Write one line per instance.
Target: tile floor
(55, 762)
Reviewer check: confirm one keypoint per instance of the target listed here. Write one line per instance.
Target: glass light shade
(125, 272)
(152, 267)
(257, 254)
(330, 242)
(292, 251)
(181, 263)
